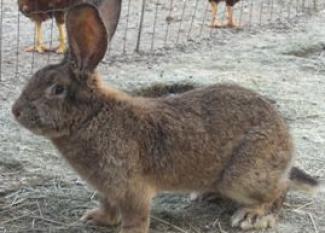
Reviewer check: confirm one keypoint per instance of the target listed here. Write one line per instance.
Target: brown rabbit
(221, 138)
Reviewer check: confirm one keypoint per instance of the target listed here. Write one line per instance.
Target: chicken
(40, 11)
(230, 13)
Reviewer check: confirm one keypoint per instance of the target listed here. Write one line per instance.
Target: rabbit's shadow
(177, 210)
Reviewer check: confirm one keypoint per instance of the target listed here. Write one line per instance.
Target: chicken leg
(231, 22)
(39, 46)
(62, 38)
(215, 20)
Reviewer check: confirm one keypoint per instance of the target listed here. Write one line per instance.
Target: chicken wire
(145, 26)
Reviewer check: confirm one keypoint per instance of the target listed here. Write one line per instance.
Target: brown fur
(221, 138)
(41, 10)
(161, 89)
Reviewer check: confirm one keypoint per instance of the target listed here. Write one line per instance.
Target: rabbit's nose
(16, 111)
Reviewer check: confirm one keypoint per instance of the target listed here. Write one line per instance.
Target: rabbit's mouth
(36, 127)
(52, 133)
(38, 122)
(36, 131)
(30, 124)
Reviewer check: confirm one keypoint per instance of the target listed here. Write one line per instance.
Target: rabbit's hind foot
(253, 218)
(259, 217)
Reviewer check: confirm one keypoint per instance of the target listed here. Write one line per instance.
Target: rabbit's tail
(161, 89)
(301, 181)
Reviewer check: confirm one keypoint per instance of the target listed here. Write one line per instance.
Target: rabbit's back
(190, 138)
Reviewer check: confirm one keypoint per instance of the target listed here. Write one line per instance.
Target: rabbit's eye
(58, 89)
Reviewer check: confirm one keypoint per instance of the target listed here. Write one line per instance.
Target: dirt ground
(39, 192)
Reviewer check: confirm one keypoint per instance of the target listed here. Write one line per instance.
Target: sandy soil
(40, 193)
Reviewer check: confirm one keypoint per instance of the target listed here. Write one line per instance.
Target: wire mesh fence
(145, 26)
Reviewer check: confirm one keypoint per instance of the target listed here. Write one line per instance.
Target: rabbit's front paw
(248, 219)
(100, 217)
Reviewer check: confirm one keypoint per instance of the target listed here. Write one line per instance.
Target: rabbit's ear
(87, 37)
